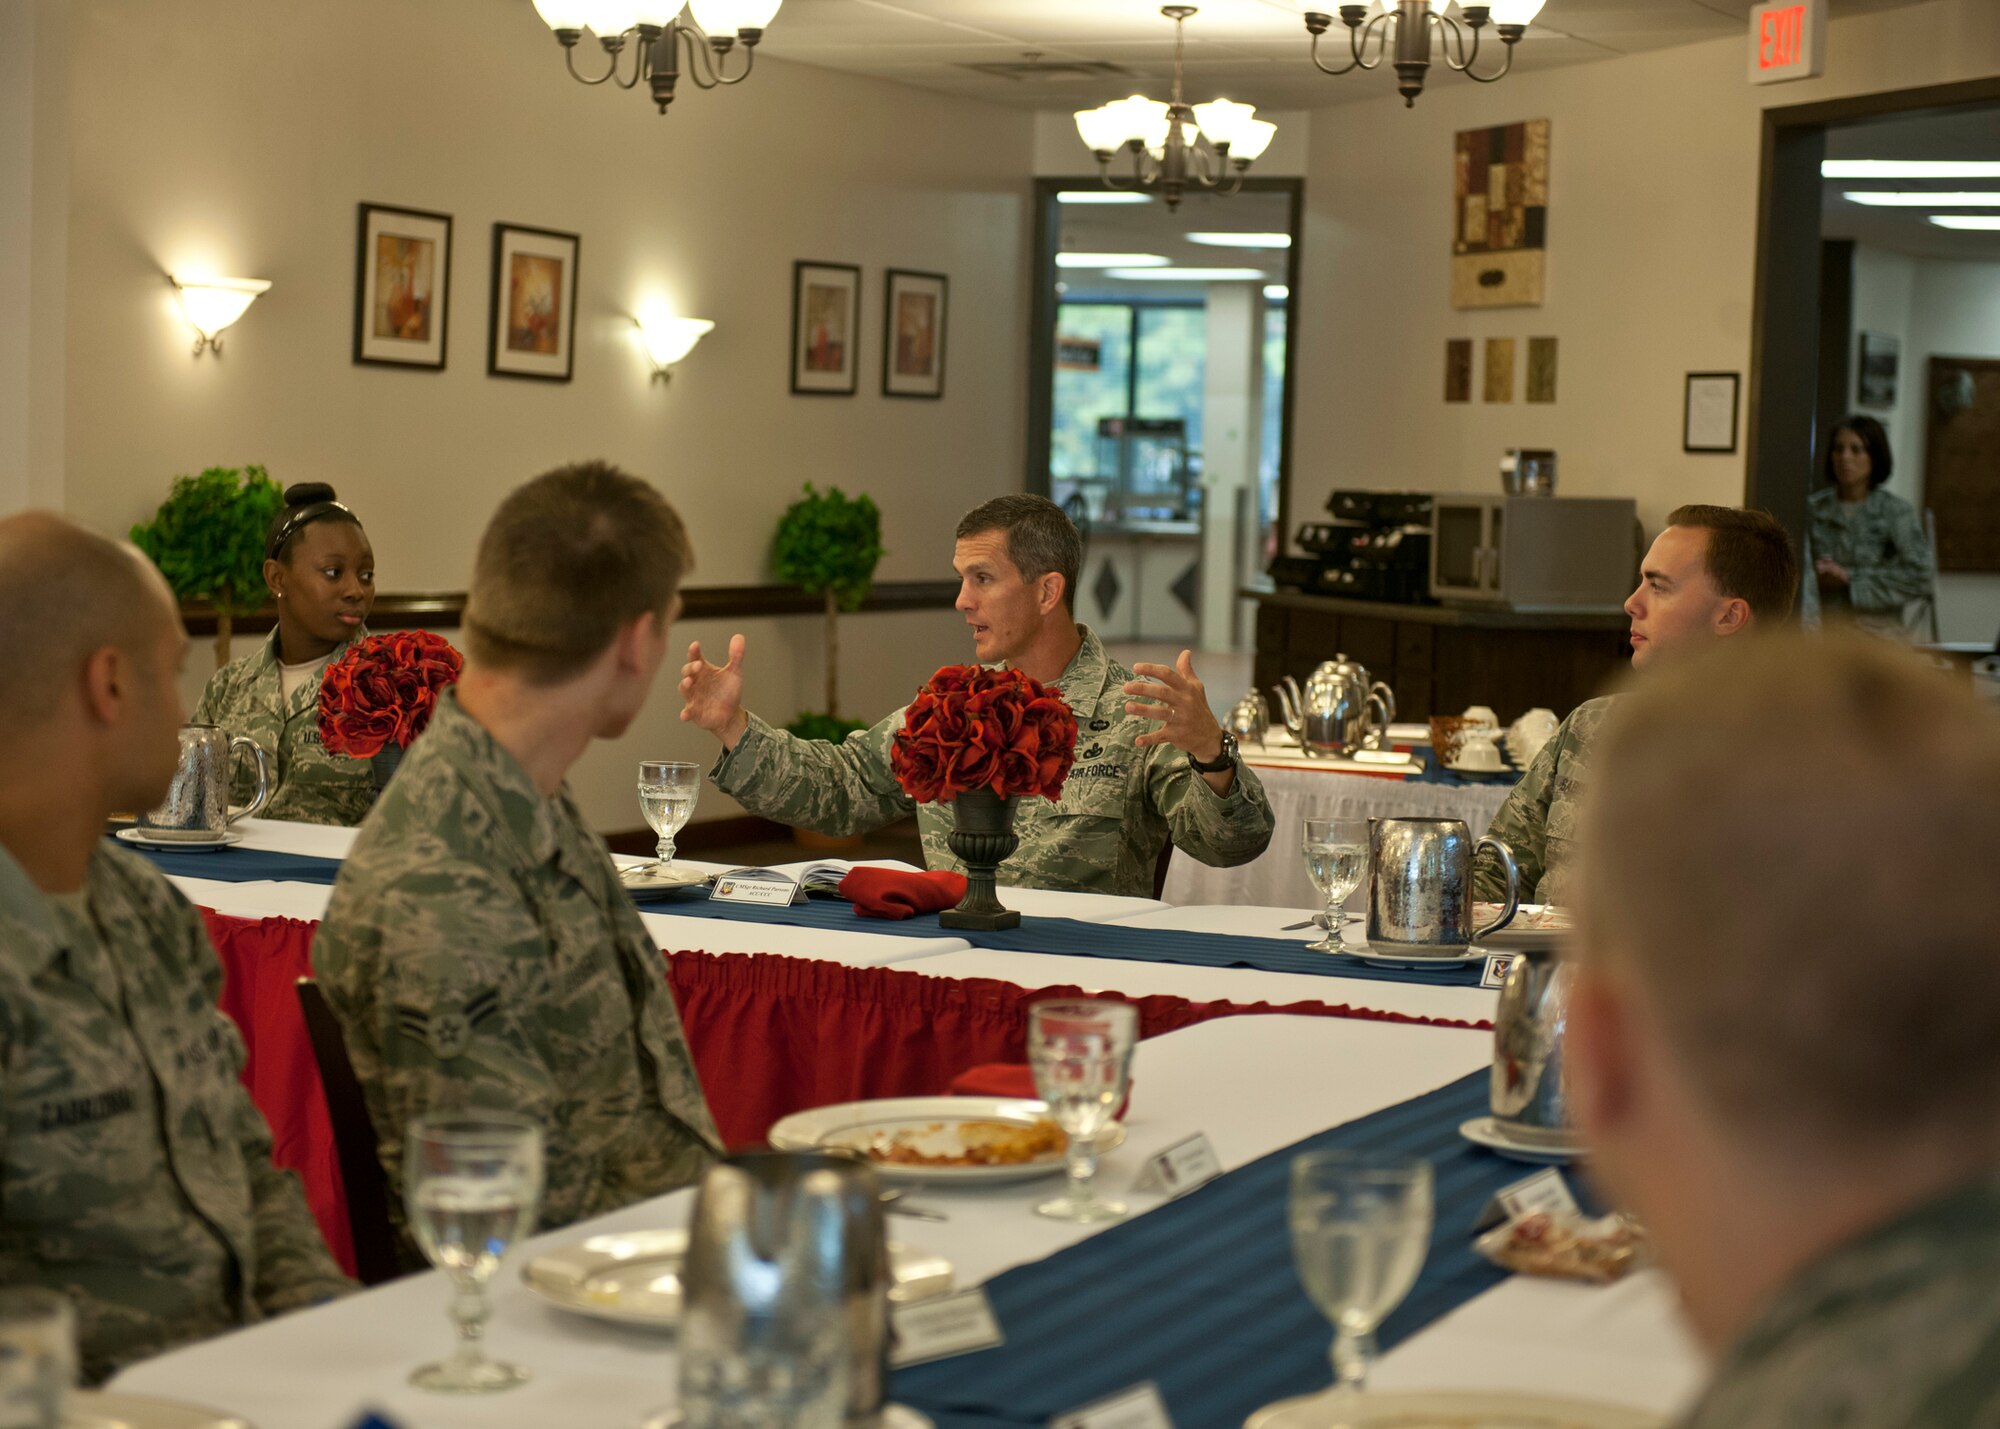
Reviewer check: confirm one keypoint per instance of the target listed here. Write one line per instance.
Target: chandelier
(1411, 22)
(659, 38)
(1175, 146)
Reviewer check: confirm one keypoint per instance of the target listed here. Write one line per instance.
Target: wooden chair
(375, 1258)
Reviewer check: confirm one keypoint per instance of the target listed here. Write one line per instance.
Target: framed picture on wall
(1881, 356)
(532, 328)
(826, 327)
(913, 333)
(402, 281)
(1708, 416)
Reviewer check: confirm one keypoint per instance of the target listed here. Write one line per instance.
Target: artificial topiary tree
(829, 545)
(207, 538)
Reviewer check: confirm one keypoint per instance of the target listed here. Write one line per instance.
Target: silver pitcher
(1528, 1094)
(197, 803)
(1420, 887)
(786, 1318)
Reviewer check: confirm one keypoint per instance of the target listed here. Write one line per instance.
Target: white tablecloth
(1254, 1086)
(1278, 877)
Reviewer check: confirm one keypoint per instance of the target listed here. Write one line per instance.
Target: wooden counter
(1438, 658)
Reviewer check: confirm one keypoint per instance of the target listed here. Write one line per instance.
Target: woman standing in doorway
(321, 572)
(1870, 556)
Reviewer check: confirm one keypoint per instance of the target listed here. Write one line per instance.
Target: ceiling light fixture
(713, 28)
(1411, 21)
(1111, 260)
(212, 304)
(1188, 275)
(1981, 221)
(1909, 169)
(1176, 146)
(1241, 240)
(1100, 196)
(1904, 198)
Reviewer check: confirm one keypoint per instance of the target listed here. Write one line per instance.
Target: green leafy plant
(824, 726)
(207, 538)
(828, 544)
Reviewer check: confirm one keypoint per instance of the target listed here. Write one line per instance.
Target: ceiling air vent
(1047, 71)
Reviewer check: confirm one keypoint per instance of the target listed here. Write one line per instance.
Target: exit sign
(1787, 40)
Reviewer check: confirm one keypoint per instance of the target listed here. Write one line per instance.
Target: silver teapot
(1250, 718)
(1528, 1096)
(786, 1311)
(1420, 887)
(197, 803)
(1341, 711)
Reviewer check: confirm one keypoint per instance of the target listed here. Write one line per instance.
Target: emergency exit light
(1787, 40)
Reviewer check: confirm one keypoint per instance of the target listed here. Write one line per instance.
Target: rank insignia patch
(447, 1031)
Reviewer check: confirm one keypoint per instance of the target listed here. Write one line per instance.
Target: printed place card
(771, 892)
(1139, 1407)
(1181, 1167)
(1544, 1191)
(937, 1329)
(1498, 965)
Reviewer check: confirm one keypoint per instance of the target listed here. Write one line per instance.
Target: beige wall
(241, 134)
(1652, 232)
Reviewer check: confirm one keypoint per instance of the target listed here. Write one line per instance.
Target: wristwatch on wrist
(1225, 760)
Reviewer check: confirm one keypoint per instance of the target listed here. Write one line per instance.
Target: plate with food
(941, 1140)
(94, 1409)
(1450, 1409)
(1533, 927)
(634, 1277)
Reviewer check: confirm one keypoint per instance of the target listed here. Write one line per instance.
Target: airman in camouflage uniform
(479, 951)
(1900, 1327)
(310, 784)
(1539, 820)
(1880, 543)
(1118, 808)
(135, 1173)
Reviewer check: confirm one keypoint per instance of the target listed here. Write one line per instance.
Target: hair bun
(305, 493)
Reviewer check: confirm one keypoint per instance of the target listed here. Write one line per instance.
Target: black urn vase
(983, 838)
(384, 764)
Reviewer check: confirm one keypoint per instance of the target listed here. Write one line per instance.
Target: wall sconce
(668, 339)
(212, 304)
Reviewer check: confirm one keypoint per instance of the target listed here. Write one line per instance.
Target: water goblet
(1361, 1226)
(1081, 1053)
(668, 790)
(471, 1182)
(1336, 853)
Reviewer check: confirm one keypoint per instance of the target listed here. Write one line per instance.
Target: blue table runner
(1200, 1296)
(1035, 935)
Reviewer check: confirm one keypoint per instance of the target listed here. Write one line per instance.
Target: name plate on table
(1498, 965)
(1181, 1167)
(1544, 1191)
(1139, 1407)
(936, 1329)
(769, 890)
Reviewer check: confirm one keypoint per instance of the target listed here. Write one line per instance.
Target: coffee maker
(1376, 547)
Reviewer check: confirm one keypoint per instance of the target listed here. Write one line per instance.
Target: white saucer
(1355, 945)
(143, 839)
(1485, 1131)
(639, 879)
(1500, 768)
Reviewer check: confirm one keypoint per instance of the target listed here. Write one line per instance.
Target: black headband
(300, 519)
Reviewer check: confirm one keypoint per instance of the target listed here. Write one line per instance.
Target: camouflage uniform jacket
(1880, 543)
(135, 1173)
(1117, 811)
(1899, 1328)
(479, 951)
(1538, 821)
(308, 784)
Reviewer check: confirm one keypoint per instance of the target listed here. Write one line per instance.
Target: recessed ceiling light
(1277, 292)
(1242, 240)
(1098, 196)
(1909, 169)
(1111, 260)
(1188, 275)
(1967, 220)
(1903, 198)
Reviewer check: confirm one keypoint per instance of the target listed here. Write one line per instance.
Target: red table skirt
(770, 1035)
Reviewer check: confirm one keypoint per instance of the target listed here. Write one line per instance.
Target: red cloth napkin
(1008, 1079)
(896, 893)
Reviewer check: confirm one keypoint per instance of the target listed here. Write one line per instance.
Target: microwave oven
(1534, 553)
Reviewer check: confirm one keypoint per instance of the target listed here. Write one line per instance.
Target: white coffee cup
(1479, 753)
(1482, 715)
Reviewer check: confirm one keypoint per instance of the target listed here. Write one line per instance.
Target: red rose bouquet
(383, 691)
(975, 728)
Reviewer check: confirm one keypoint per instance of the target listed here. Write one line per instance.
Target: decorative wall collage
(1500, 223)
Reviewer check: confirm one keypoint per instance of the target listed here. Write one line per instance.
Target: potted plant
(207, 538)
(828, 545)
